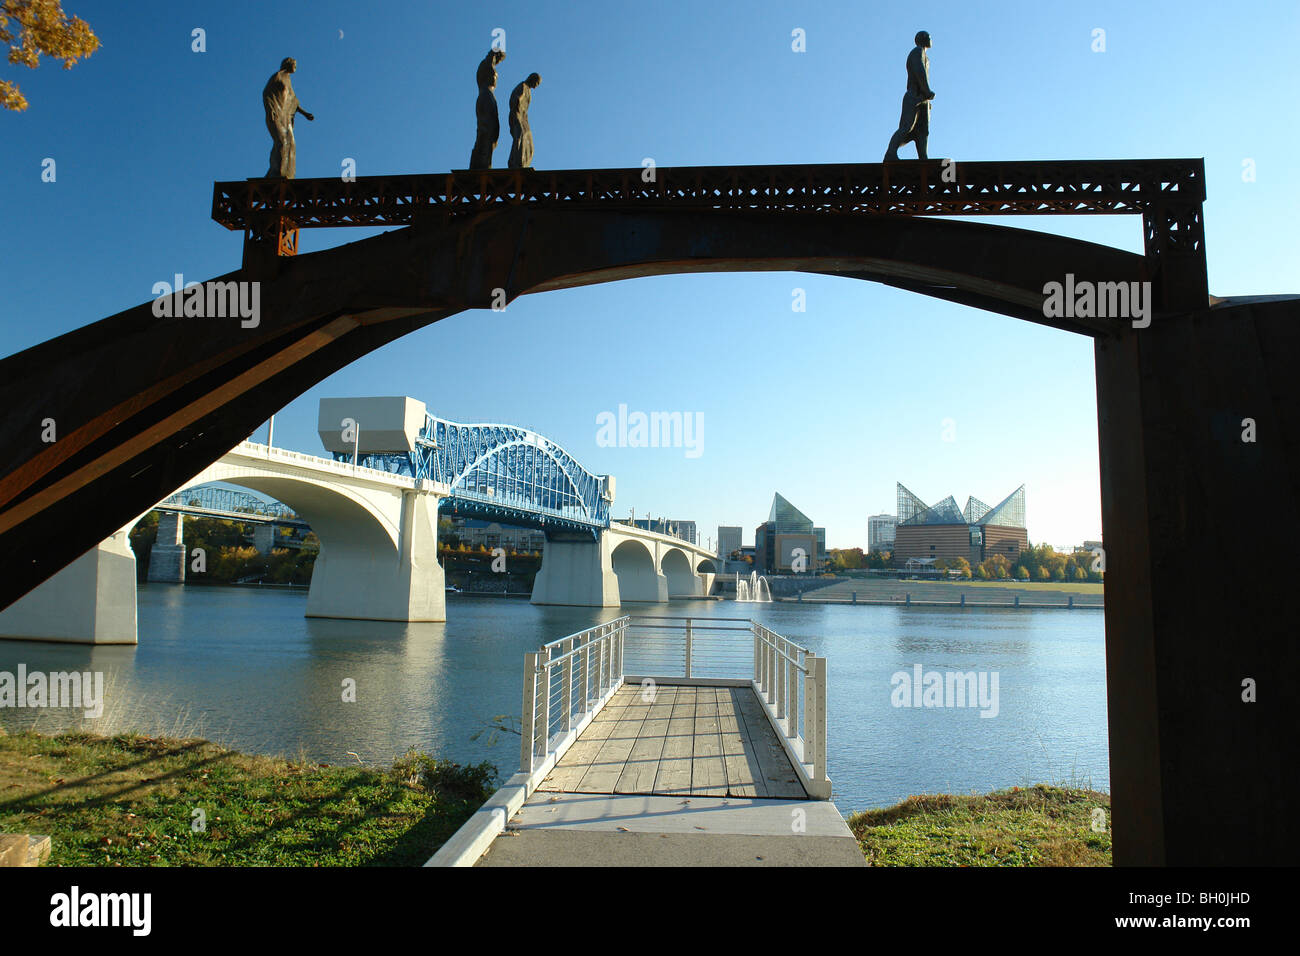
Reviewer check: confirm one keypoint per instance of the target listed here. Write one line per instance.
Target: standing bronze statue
(485, 109)
(914, 125)
(521, 150)
(282, 105)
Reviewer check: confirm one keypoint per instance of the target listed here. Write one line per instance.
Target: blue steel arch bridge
(503, 473)
(217, 502)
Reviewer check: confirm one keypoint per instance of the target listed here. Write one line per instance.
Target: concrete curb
(476, 834)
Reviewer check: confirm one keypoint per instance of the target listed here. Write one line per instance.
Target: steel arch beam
(141, 404)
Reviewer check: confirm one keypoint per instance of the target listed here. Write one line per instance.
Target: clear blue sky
(821, 406)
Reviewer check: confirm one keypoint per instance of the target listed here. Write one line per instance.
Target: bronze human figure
(914, 125)
(282, 105)
(485, 109)
(521, 150)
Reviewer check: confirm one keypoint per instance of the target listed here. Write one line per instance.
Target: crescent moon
(340, 34)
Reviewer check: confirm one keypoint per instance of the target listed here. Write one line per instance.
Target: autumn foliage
(33, 27)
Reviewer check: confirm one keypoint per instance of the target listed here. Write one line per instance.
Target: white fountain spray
(753, 591)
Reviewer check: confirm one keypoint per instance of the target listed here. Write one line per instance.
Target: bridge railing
(565, 684)
(569, 680)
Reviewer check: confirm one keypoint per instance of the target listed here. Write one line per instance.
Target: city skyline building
(729, 540)
(880, 532)
(788, 540)
(945, 531)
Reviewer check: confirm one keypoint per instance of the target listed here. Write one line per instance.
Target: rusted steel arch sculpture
(141, 404)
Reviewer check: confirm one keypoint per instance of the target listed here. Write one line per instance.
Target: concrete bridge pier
(361, 576)
(623, 566)
(167, 556)
(91, 601)
(576, 571)
(264, 538)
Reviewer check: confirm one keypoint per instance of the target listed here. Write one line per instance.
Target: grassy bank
(1060, 587)
(1035, 826)
(129, 800)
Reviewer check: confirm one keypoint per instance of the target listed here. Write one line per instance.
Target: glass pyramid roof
(786, 517)
(1009, 513)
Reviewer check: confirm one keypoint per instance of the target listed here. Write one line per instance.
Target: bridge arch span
(676, 568)
(378, 535)
(335, 513)
(153, 422)
(638, 579)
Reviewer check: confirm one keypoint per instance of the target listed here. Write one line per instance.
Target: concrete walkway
(585, 829)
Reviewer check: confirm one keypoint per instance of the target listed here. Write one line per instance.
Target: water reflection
(245, 667)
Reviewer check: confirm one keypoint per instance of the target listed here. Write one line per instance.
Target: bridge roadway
(378, 560)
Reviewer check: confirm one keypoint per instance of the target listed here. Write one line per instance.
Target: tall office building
(787, 540)
(680, 528)
(728, 540)
(880, 532)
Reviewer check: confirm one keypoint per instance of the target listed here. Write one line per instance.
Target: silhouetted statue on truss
(485, 109)
(521, 150)
(281, 106)
(914, 125)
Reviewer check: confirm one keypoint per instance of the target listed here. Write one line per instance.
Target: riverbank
(1030, 826)
(132, 800)
(953, 594)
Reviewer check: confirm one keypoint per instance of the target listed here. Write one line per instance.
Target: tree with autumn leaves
(35, 27)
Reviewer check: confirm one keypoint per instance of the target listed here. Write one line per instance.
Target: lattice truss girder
(910, 189)
(504, 472)
(229, 501)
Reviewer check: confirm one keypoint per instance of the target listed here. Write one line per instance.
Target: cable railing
(568, 681)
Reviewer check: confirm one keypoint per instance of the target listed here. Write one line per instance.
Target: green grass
(1077, 587)
(129, 800)
(1036, 826)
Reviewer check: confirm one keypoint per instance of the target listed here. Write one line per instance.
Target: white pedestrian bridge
(378, 556)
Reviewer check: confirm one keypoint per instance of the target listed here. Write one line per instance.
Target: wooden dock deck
(678, 741)
(631, 756)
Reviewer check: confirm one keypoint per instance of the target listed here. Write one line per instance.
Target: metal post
(600, 666)
(526, 714)
(621, 631)
(771, 673)
(688, 648)
(780, 680)
(545, 722)
(819, 718)
(586, 673)
(792, 690)
(566, 695)
(809, 709)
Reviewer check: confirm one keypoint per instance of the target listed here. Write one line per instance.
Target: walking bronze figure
(521, 150)
(485, 110)
(914, 124)
(281, 104)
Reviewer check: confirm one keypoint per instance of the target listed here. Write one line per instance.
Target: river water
(244, 667)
